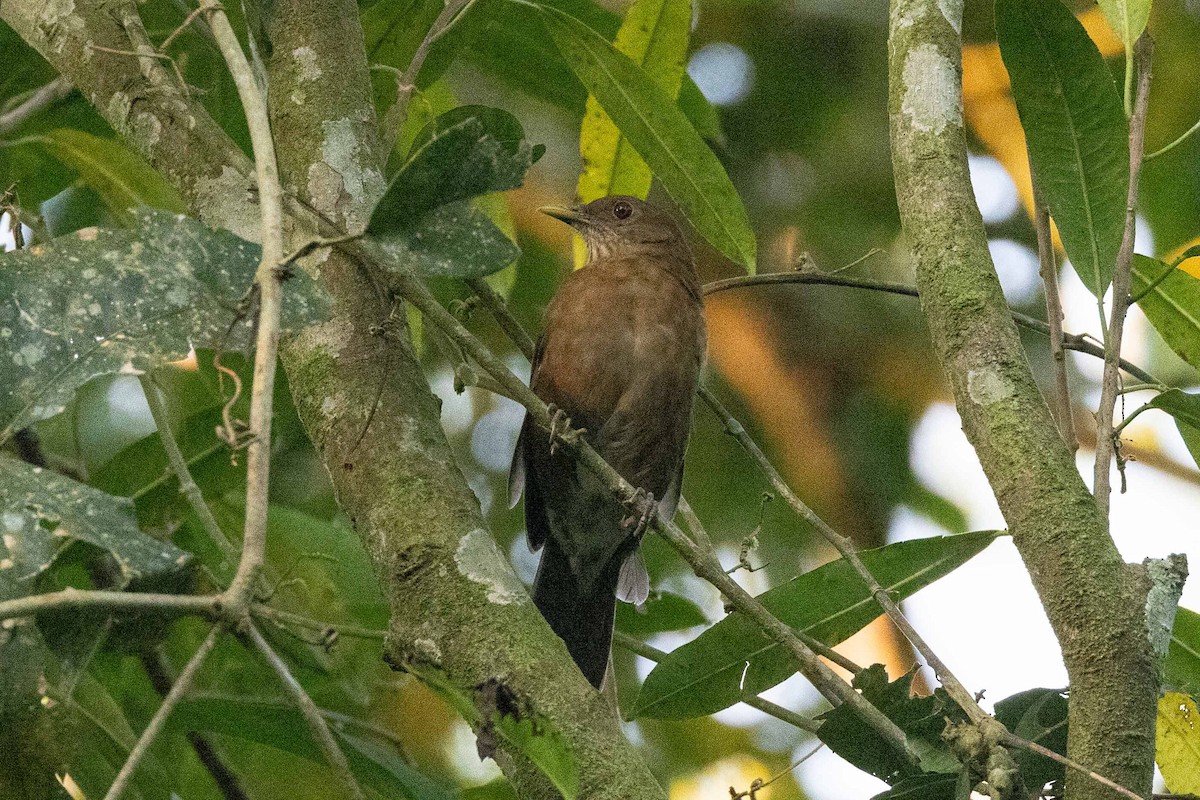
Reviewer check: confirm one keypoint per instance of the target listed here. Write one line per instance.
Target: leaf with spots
(42, 512)
(426, 218)
(92, 302)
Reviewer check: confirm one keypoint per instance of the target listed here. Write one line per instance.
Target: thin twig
(1169, 147)
(1054, 316)
(810, 665)
(1071, 341)
(270, 301)
(312, 715)
(42, 98)
(758, 784)
(507, 322)
(187, 485)
(182, 684)
(227, 781)
(1191, 252)
(182, 26)
(1122, 276)
(958, 692)
(64, 599)
(650, 653)
(279, 616)
(147, 53)
(406, 82)
(1013, 740)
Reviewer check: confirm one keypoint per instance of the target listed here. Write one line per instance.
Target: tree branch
(1054, 316)
(1122, 276)
(182, 685)
(254, 640)
(1071, 341)
(42, 98)
(164, 604)
(821, 676)
(187, 486)
(1054, 520)
(270, 298)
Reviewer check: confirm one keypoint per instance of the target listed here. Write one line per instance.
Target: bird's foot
(561, 430)
(644, 507)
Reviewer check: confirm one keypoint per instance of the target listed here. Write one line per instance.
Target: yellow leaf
(654, 35)
(1178, 743)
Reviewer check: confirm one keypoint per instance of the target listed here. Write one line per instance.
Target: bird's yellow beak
(570, 216)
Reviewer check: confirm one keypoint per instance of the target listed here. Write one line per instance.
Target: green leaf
(87, 304)
(829, 603)
(43, 511)
(1185, 408)
(1172, 306)
(921, 718)
(660, 133)
(1127, 17)
(1039, 716)
(454, 241)
(94, 728)
(279, 724)
(1181, 671)
(425, 219)
(1177, 746)
(662, 612)
(1075, 129)
(121, 177)
(517, 51)
(496, 713)
(655, 37)
(464, 153)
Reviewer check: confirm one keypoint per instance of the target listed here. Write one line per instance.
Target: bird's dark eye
(622, 210)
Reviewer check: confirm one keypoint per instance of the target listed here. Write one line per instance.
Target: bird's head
(620, 224)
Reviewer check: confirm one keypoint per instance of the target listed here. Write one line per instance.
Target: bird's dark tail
(583, 621)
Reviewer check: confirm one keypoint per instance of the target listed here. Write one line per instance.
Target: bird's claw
(644, 506)
(560, 428)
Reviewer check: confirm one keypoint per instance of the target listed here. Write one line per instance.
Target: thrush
(620, 355)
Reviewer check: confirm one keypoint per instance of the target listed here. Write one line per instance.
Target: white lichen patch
(307, 66)
(343, 156)
(932, 98)
(986, 386)
(59, 20)
(427, 650)
(333, 406)
(225, 201)
(147, 128)
(119, 106)
(479, 560)
(906, 13)
(329, 337)
(298, 97)
(952, 10)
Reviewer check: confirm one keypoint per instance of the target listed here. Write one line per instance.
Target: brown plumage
(620, 355)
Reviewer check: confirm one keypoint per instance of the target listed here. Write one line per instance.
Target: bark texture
(456, 603)
(1095, 602)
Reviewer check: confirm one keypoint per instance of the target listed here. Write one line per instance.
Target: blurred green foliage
(831, 380)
